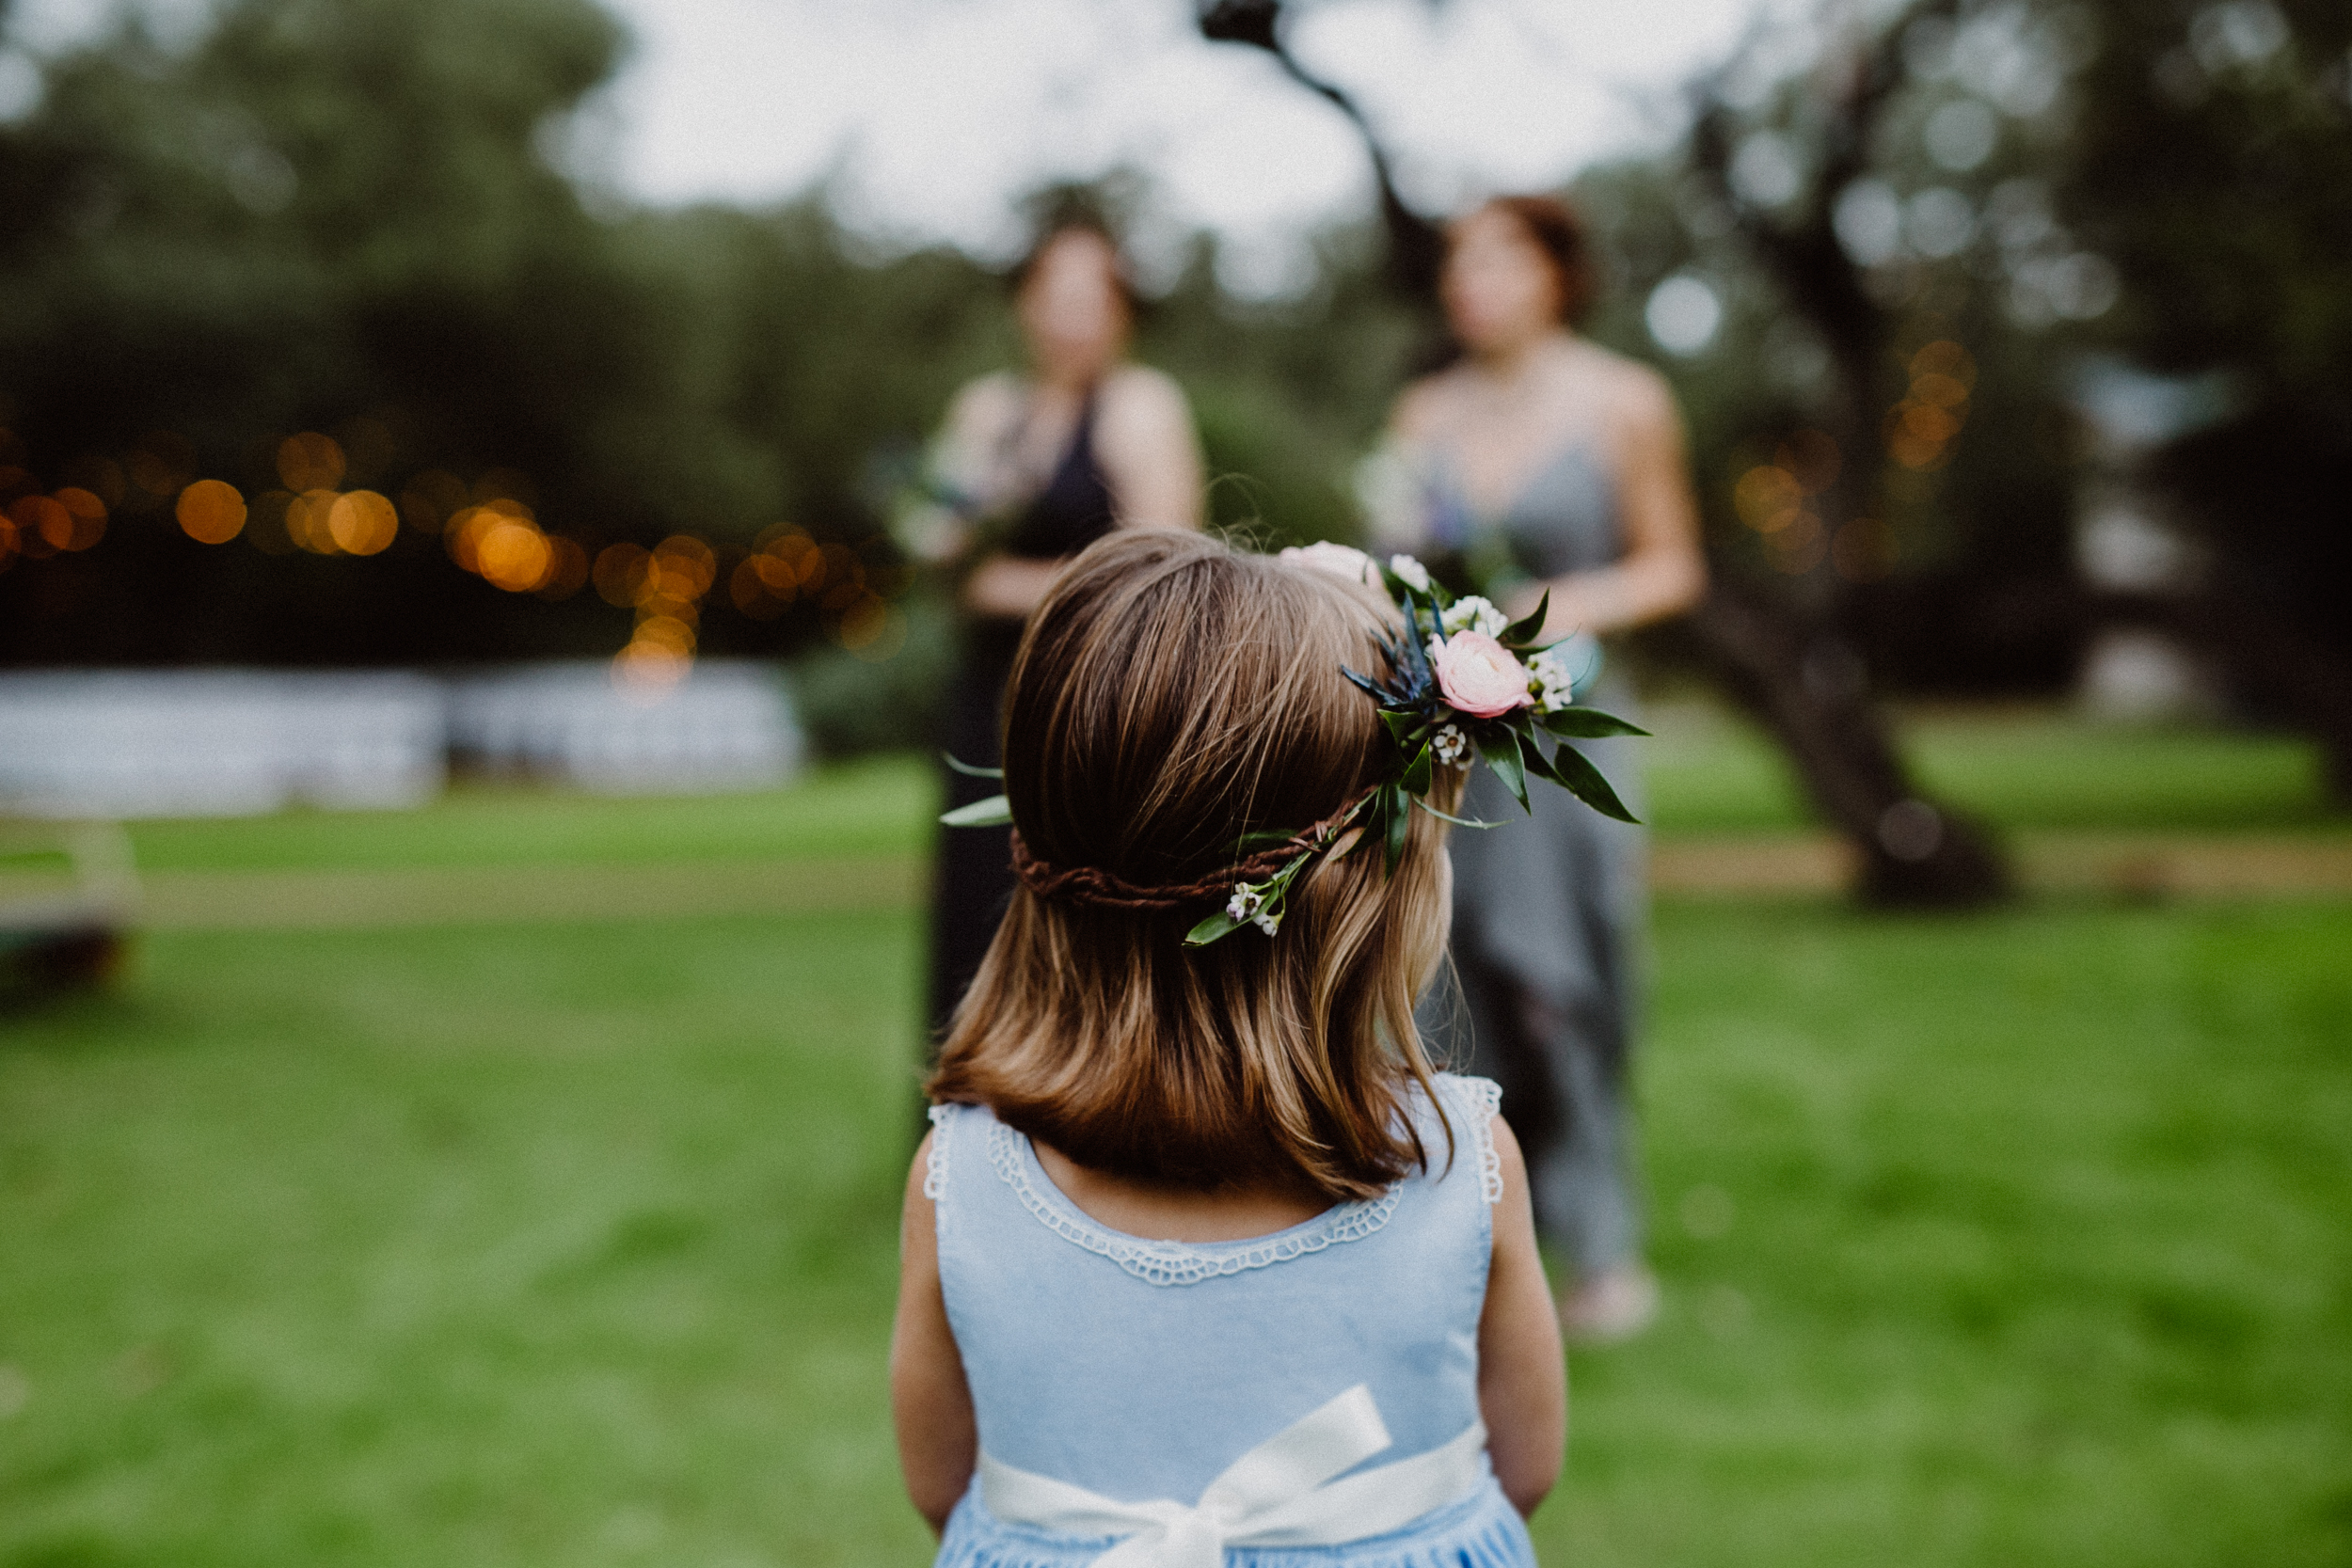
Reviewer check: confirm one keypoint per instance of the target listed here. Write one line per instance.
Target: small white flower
(1245, 903)
(1409, 571)
(1452, 746)
(1548, 678)
(1269, 924)
(1474, 614)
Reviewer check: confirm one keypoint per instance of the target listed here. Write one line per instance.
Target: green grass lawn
(1708, 774)
(2014, 1240)
(874, 807)
(2021, 768)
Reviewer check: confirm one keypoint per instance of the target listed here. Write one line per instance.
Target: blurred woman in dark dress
(1544, 463)
(1036, 466)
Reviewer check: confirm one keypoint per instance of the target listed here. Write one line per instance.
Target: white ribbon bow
(1276, 1495)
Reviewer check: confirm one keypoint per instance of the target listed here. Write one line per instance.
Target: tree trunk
(1806, 688)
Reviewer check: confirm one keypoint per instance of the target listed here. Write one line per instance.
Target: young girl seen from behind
(1203, 1263)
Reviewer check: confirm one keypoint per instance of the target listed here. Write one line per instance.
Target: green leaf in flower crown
(1217, 925)
(1401, 726)
(1520, 632)
(1569, 766)
(1396, 808)
(968, 770)
(1417, 772)
(1586, 724)
(994, 812)
(1264, 838)
(1499, 746)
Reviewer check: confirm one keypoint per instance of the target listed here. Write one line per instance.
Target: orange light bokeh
(1938, 389)
(687, 567)
(1768, 497)
(666, 631)
(211, 512)
(42, 523)
(513, 554)
(88, 518)
(309, 517)
(872, 629)
(1945, 357)
(311, 461)
(362, 522)
(468, 526)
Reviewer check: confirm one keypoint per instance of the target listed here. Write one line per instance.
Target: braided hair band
(1095, 887)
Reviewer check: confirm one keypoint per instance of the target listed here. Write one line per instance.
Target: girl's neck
(1163, 1212)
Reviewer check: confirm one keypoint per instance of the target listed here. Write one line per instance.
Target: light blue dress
(1142, 1369)
(1548, 914)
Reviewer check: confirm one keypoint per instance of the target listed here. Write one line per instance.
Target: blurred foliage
(343, 215)
(2063, 187)
(1948, 564)
(373, 218)
(349, 217)
(2212, 161)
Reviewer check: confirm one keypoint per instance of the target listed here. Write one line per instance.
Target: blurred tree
(352, 216)
(2211, 165)
(1779, 638)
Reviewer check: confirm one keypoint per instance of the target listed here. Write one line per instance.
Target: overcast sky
(928, 115)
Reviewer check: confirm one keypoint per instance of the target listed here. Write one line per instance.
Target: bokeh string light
(489, 527)
(1778, 499)
(1920, 428)
(211, 512)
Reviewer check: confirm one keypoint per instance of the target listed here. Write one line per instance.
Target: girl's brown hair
(1170, 696)
(1559, 233)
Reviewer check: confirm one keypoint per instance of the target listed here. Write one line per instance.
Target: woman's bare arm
(1149, 450)
(1007, 587)
(939, 1441)
(1663, 571)
(1523, 1376)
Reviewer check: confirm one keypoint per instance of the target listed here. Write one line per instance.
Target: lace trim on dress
(935, 1162)
(1176, 1262)
(1477, 1100)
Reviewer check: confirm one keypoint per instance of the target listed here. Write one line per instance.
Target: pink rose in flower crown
(1479, 675)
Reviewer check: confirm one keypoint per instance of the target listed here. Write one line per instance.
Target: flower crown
(1462, 679)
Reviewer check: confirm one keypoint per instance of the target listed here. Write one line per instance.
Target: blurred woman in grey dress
(1541, 462)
